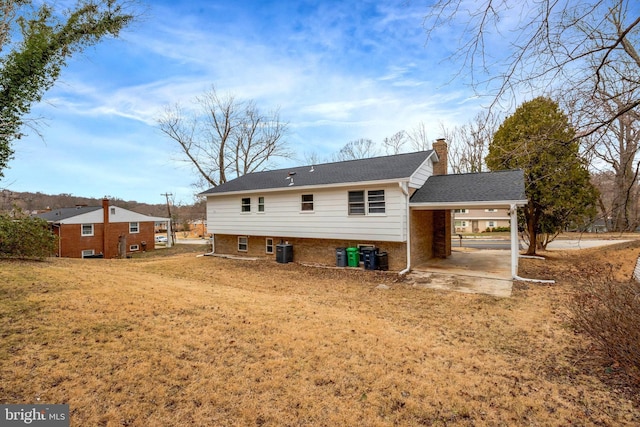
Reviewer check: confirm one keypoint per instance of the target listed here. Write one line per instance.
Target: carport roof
(472, 188)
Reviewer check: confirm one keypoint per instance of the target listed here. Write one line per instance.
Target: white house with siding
(367, 202)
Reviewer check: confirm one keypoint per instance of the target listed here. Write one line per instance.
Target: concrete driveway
(467, 270)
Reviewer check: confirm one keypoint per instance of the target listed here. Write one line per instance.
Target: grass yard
(180, 340)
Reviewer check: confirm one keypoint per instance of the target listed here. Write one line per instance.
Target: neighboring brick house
(400, 204)
(107, 231)
(468, 220)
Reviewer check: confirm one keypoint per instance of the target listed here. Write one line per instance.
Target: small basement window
(134, 248)
(243, 243)
(269, 246)
(88, 252)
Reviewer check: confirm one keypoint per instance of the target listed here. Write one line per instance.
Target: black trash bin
(369, 258)
(284, 253)
(382, 260)
(341, 257)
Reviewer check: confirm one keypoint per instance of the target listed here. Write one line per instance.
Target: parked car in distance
(161, 239)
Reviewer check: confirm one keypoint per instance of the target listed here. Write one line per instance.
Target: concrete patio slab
(467, 270)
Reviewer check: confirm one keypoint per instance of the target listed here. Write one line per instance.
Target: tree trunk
(532, 222)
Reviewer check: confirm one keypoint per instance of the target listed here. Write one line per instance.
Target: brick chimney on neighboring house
(105, 226)
(441, 149)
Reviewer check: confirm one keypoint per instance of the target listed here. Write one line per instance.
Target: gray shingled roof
(64, 213)
(372, 169)
(472, 187)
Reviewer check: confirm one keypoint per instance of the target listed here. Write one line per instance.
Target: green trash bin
(353, 257)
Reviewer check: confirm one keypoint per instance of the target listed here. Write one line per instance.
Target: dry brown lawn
(183, 340)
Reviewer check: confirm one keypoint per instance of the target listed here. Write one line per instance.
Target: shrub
(609, 312)
(22, 236)
(497, 229)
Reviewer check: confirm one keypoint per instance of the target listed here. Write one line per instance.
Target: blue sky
(337, 70)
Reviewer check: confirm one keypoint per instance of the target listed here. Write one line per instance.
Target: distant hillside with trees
(37, 202)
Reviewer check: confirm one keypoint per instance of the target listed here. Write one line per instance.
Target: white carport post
(515, 244)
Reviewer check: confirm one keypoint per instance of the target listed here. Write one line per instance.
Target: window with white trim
(356, 203)
(87, 230)
(243, 243)
(88, 252)
(461, 211)
(307, 203)
(491, 224)
(134, 248)
(134, 227)
(374, 203)
(491, 210)
(375, 199)
(260, 204)
(246, 204)
(268, 245)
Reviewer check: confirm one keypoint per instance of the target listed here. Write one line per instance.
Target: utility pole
(171, 238)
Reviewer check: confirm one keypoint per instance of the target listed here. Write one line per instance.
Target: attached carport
(430, 210)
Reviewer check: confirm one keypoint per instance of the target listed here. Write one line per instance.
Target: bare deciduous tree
(615, 148)
(358, 149)
(418, 137)
(394, 143)
(224, 138)
(551, 45)
(469, 143)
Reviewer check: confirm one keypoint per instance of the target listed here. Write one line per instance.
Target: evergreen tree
(539, 139)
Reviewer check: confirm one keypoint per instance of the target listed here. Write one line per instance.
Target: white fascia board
(461, 205)
(294, 187)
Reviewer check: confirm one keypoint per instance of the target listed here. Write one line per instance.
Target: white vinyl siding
(330, 219)
(87, 230)
(423, 173)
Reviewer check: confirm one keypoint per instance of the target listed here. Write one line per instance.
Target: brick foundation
(320, 251)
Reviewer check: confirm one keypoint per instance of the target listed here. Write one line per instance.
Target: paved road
(556, 244)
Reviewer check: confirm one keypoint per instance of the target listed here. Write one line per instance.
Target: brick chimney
(441, 149)
(105, 226)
